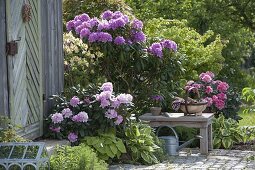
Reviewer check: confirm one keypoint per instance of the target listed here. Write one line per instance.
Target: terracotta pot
(155, 111)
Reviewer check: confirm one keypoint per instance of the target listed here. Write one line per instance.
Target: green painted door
(24, 69)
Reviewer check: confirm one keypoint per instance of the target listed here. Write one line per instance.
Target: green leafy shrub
(80, 157)
(106, 144)
(141, 143)
(226, 132)
(248, 95)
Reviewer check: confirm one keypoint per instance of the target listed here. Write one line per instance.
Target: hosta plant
(226, 132)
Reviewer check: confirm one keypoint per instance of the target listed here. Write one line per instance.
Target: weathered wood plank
(4, 106)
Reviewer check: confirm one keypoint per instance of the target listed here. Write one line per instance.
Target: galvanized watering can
(172, 142)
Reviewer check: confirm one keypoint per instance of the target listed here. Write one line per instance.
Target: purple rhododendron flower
(125, 98)
(84, 17)
(156, 49)
(169, 44)
(137, 24)
(93, 22)
(78, 29)
(111, 113)
(222, 87)
(70, 25)
(104, 37)
(125, 19)
(80, 117)
(208, 89)
(117, 14)
(57, 118)
(74, 101)
(72, 137)
(104, 103)
(56, 129)
(93, 37)
(77, 23)
(107, 15)
(107, 87)
(84, 33)
(115, 103)
(139, 37)
(103, 25)
(119, 40)
(67, 112)
(119, 120)
(117, 23)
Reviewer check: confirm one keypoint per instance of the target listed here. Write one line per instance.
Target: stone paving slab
(192, 160)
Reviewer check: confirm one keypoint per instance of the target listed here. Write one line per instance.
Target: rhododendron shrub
(218, 94)
(86, 114)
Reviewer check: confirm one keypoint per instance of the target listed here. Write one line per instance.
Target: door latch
(12, 47)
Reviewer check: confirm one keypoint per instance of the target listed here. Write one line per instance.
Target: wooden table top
(176, 117)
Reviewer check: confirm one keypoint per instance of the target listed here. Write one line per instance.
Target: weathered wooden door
(25, 68)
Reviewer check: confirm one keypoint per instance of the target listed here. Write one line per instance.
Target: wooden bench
(204, 123)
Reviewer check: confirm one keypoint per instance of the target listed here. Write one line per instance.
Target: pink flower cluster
(101, 29)
(111, 103)
(214, 92)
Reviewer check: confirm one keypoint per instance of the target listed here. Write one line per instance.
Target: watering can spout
(189, 142)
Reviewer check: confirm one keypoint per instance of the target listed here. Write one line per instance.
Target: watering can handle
(170, 128)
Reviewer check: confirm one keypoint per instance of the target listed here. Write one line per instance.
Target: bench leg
(210, 138)
(204, 141)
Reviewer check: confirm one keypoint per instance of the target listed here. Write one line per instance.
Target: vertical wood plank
(210, 137)
(4, 105)
(204, 140)
(52, 49)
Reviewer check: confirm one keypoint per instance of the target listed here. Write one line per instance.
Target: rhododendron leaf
(109, 152)
(121, 147)
(114, 149)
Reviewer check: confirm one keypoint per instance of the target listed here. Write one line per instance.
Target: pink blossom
(111, 113)
(67, 112)
(107, 87)
(118, 120)
(57, 129)
(209, 101)
(222, 96)
(206, 78)
(220, 104)
(208, 89)
(196, 85)
(104, 95)
(74, 101)
(72, 137)
(216, 82)
(125, 98)
(222, 87)
(57, 118)
(80, 117)
(215, 98)
(210, 74)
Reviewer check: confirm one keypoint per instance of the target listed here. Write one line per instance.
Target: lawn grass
(248, 119)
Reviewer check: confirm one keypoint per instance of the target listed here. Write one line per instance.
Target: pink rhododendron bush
(220, 97)
(87, 114)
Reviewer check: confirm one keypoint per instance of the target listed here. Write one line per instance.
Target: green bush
(106, 144)
(79, 157)
(142, 145)
(248, 95)
(226, 132)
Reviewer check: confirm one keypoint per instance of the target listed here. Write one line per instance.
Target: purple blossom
(93, 22)
(104, 103)
(84, 17)
(103, 25)
(169, 44)
(57, 118)
(156, 49)
(56, 129)
(93, 37)
(80, 117)
(107, 15)
(115, 103)
(104, 97)
(139, 37)
(118, 120)
(104, 37)
(72, 137)
(117, 14)
(77, 23)
(74, 101)
(111, 113)
(117, 23)
(107, 87)
(137, 24)
(67, 112)
(84, 33)
(70, 25)
(86, 24)
(119, 40)
(157, 97)
(86, 100)
(78, 29)
(125, 19)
